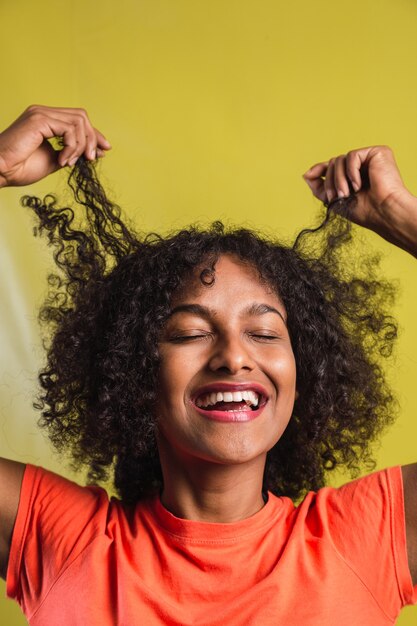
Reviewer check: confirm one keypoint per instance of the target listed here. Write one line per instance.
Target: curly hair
(108, 303)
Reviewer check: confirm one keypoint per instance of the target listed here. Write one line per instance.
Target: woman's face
(227, 377)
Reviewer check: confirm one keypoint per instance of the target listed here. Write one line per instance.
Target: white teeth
(253, 398)
(250, 397)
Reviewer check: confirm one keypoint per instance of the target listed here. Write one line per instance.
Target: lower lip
(230, 416)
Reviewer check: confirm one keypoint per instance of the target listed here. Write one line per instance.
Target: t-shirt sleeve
(366, 523)
(56, 520)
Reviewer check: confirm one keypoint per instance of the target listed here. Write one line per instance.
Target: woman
(220, 375)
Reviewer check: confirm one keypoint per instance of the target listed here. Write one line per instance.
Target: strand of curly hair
(108, 302)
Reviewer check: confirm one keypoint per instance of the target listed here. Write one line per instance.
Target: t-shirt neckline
(216, 531)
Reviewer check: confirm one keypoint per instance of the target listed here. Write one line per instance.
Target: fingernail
(355, 186)
(340, 193)
(73, 161)
(92, 155)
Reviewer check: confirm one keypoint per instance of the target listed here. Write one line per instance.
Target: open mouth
(236, 405)
(229, 400)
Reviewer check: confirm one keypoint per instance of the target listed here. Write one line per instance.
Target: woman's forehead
(229, 279)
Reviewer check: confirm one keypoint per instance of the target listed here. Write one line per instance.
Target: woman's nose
(231, 355)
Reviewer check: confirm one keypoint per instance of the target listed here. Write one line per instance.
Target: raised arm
(385, 206)
(26, 156)
(383, 203)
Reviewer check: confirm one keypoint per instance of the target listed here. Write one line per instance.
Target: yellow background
(214, 108)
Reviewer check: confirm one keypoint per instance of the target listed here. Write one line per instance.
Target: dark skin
(232, 335)
(233, 339)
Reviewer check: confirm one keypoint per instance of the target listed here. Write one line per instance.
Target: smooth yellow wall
(214, 108)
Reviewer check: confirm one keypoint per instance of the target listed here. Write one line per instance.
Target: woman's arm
(383, 203)
(385, 206)
(26, 156)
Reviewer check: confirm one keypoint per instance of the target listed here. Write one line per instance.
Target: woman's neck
(199, 490)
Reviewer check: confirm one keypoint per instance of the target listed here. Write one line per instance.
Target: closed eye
(188, 338)
(264, 337)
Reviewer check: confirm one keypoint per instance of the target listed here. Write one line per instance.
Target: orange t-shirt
(338, 558)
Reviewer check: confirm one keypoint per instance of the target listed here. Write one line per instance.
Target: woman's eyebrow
(206, 312)
(196, 309)
(261, 309)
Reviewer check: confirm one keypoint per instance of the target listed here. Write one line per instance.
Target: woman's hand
(26, 155)
(383, 204)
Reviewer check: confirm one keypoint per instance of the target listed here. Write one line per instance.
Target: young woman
(218, 375)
